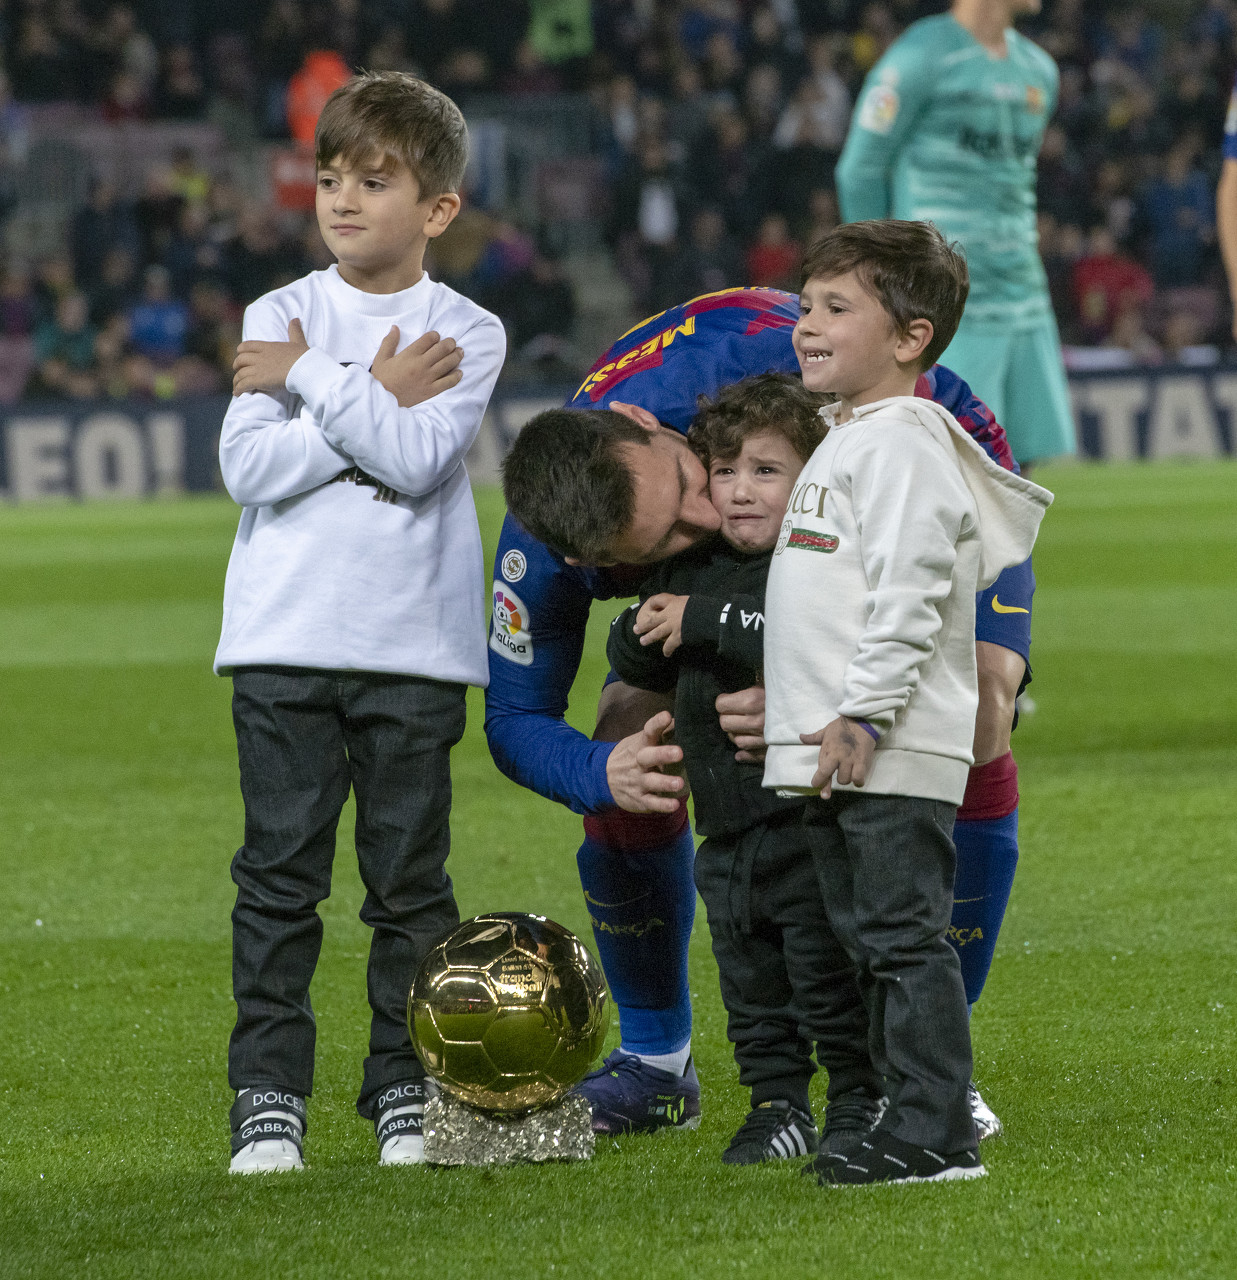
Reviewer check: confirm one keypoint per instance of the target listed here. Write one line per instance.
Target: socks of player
(986, 837)
(674, 1063)
(636, 871)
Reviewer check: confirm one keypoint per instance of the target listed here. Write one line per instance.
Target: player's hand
(742, 717)
(846, 748)
(424, 368)
(661, 618)
(635, 769)
(264, 366)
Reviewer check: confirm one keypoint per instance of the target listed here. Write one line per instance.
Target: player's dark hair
(768, 402)
(907, 266)
(566, 482)
(395, 116)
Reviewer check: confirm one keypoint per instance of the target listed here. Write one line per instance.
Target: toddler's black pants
(886, 870)
(787, 982)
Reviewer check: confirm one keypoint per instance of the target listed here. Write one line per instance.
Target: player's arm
(1000, 663)
(951, 392)
(1226, 223)
(527, 696)
(893, 98)
(413, 450)
(1226, 202)
(270, 450)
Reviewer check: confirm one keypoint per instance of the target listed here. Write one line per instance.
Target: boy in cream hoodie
(895, 523)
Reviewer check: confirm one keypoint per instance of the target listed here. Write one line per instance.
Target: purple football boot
(628, 1096)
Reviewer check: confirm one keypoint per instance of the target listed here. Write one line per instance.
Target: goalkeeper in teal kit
(947, 129)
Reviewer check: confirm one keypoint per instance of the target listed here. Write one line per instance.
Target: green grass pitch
(1105, 1039)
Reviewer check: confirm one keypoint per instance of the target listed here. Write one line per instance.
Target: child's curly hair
(768, 402)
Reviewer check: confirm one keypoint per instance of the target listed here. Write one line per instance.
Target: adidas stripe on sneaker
(773, 1130)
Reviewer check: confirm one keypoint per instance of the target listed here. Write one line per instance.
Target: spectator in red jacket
(322, 72)
(775, 256)
(1106, 283)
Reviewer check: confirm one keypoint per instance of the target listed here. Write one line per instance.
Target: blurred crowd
(717, 123)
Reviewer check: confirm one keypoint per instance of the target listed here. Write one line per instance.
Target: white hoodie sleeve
(911, 507)
(411, 450)
(267, 450)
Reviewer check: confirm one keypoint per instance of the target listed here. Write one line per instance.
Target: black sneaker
(849, 1118)
(772, 1131)
(268, 1130)
(883, 1158)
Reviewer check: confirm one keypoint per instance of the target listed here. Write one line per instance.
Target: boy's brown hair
(906, 266)
(395, 115)
(768, 402)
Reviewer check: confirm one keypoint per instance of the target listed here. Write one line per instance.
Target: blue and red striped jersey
(671, 359)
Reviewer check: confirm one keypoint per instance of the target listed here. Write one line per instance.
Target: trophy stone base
(457, 1134)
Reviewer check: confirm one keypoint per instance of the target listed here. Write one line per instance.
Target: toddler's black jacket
(722, 652)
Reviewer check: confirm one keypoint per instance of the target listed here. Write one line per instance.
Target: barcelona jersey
(948, 132)
(666, 362)
(670, 360)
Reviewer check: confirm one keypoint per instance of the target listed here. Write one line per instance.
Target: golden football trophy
(507, 1013)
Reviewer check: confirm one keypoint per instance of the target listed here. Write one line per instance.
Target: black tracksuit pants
(787, 982)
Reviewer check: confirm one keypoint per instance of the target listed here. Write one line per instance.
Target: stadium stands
(627, 154)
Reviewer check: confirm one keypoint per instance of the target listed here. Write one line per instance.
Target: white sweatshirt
(329, 570)
(897, 520)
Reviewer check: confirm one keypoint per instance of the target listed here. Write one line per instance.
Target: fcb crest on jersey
(668, 360)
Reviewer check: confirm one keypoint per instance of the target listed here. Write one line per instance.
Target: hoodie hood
(1009, 507)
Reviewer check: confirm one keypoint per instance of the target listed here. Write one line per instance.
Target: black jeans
(886, 870)
(786, 979)
(305, 738)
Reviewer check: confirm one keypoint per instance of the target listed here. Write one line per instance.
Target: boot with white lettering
(268, 1130)
(398, 1116)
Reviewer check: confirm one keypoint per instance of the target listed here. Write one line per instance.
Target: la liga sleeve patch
(879, 110)
(509, 626)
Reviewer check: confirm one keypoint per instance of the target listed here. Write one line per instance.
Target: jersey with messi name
(667, 361)
(541, 604)
(947, 132)
(671, 359)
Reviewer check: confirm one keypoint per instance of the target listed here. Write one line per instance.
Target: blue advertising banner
(130, 449)
(113, 449)
(1169, 412)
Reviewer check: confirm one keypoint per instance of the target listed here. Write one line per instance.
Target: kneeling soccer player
(636, 860)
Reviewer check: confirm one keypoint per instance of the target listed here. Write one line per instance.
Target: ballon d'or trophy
(507, 1013)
